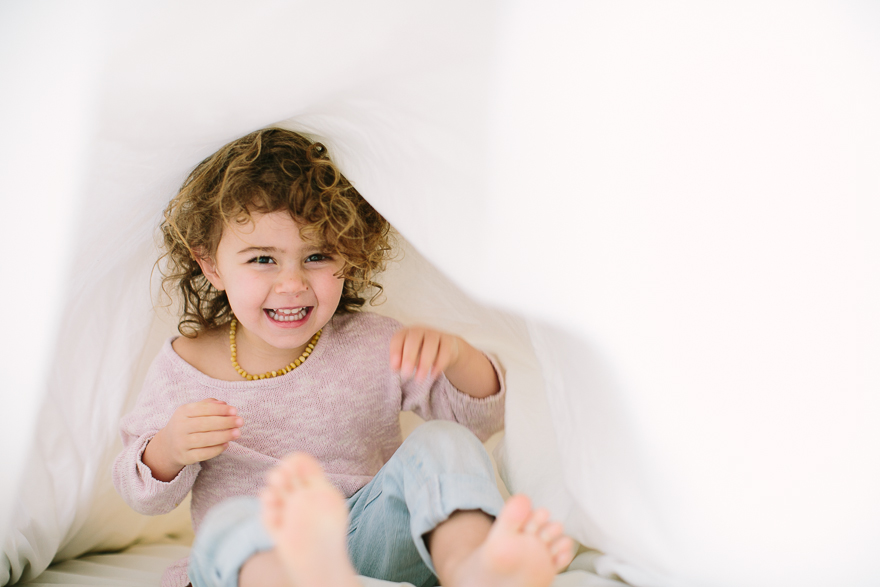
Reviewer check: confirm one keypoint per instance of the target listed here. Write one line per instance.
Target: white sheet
(665, 214)
(141, 566)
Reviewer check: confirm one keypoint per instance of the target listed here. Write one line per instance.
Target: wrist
(472, 373)
(157, 459)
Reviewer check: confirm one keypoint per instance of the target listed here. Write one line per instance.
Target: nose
(291, 281)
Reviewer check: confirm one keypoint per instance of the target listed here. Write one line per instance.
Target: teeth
(285, 315)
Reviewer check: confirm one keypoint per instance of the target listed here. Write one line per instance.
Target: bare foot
(523, 549)
(307, 518)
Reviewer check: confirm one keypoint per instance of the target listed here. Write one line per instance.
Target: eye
(262, 260)
(317, 258)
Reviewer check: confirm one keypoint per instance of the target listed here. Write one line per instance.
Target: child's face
(281, 289)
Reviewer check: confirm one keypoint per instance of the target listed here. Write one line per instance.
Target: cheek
(333, 285)
(246, 291)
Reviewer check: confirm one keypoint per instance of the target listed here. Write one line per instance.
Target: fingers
(199, 424)
(211, 431)
(208, 407)
(430, 350)
(396, 349)
(422, 352)
(197, 455)
(446, 353)
(202, 430)
(198, 440)
(201, 446)
(208, 415)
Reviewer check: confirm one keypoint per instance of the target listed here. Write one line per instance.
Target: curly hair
(268, 171)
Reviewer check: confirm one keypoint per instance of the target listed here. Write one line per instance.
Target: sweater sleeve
(440, 400)
(133, 479)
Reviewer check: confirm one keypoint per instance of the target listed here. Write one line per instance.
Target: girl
(272, 249)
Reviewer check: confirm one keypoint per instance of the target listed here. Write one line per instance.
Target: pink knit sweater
(341, 406)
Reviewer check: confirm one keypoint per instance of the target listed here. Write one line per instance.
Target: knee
(226, 515)
(444, 460)
(230, 533)
(441, 437)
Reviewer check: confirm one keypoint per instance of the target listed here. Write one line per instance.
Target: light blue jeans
(440, 468)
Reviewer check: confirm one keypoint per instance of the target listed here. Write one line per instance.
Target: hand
(196, 432)
(423, 350)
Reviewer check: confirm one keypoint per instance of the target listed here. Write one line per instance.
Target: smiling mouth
(288, 315)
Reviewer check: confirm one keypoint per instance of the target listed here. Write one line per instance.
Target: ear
(209, 268)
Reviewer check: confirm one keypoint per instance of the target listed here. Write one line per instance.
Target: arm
(196, 432)
(426, 353)
(148, 484)
(134, 480)
(157, 468)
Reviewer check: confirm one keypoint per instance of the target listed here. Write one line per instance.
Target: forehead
(265, 229)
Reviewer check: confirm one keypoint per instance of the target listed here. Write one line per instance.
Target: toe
(514, 514)
(271, 507)
(306, 470)
(538, 519)
(282, 476)
(562, 551)
(278, 479)
(550, 532)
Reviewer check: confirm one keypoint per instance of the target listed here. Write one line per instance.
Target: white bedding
(141, 566)
(662, 217)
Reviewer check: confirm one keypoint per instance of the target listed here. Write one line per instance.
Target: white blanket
(662, 216)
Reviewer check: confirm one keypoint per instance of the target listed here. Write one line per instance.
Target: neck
(260, 356)
(275, 371)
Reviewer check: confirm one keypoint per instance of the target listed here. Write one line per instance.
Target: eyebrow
(259, 250)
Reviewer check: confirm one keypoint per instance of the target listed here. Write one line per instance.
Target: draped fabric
(661, 217)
